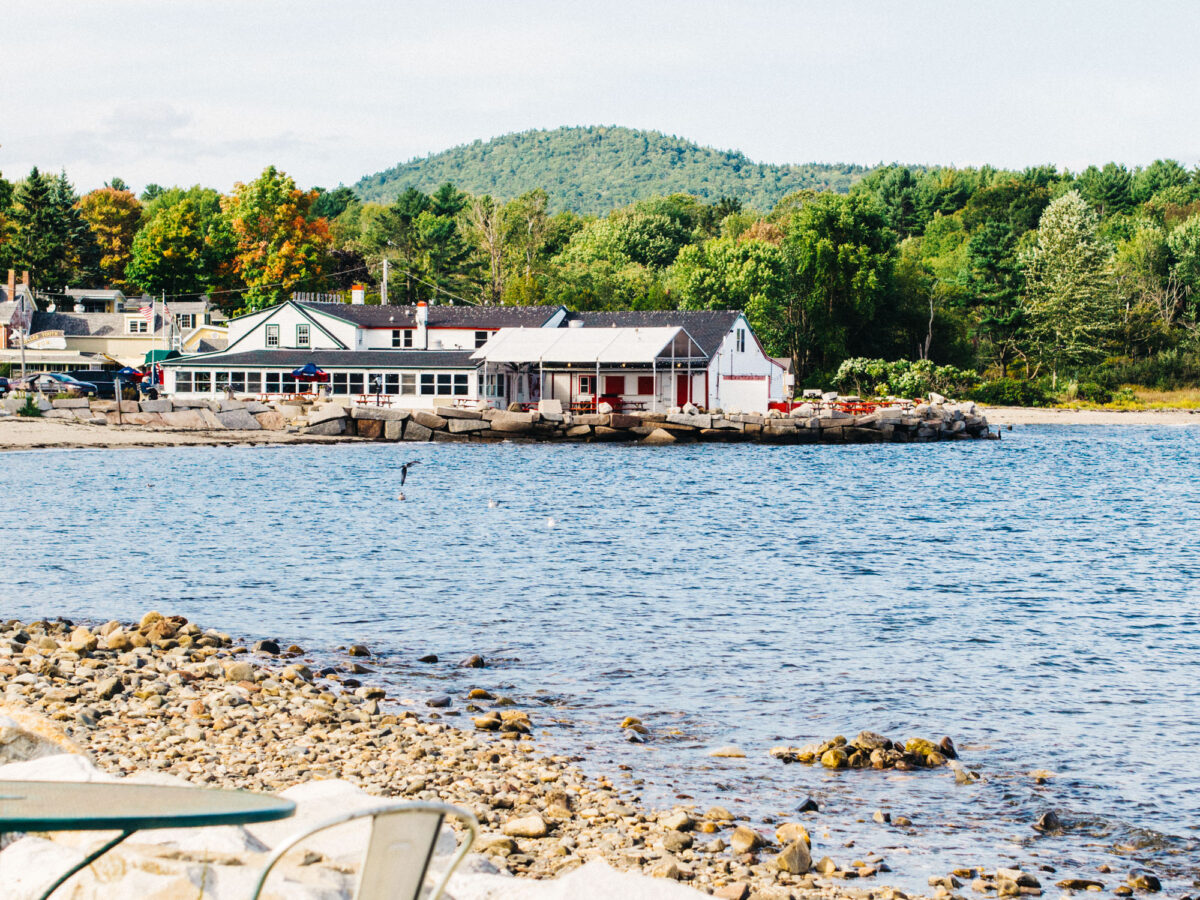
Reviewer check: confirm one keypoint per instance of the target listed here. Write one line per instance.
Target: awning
(155, 356)
(588, 346)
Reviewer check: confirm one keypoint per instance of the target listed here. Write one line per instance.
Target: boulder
(326, 413)
(454, 412)
(59, 414)
(25, 735)
(371, 429)
(512, 423)
(393, 431)
(415, 431)
(73, 403)
(620, 420)
(745, 839)
(463, 425)
(238, 419)
(533, 826)
(327, 427)
(427, 419)
(552, 407)
(185, 419)
(270, 420)
(795, 858)
(161, 405)
(211, 420)
(659, 437)
(228, 404)
(379, 413)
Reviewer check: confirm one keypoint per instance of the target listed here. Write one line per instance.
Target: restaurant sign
(46, 340)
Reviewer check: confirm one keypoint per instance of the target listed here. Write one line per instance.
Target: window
(645, 385)
(340, 383)
(183, 382)
(254, 382)
(356, 382)
(445, 383)
(220, 381)
(741, 340)
(408, 384)
(462, 384)
(288, 383)
(614, 384)
(201, 382)
(302, 339)
(401, 338)
(587, 384)
(428, 383)
(188, 320)
(272, 383)
(375, 382)
(138, 326)
(237, 382)
(492, 384)
(391, 383)
(481, 338)
(272, 335)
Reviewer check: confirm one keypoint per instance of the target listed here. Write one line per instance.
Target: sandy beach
(1020, 415)
(55, 434)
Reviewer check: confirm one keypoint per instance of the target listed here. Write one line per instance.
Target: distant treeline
(1038, 274)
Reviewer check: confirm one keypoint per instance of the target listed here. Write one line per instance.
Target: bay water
(1036, 599)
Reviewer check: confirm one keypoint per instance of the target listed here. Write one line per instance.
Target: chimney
(358, 294)
(422, 336)
(12, 283)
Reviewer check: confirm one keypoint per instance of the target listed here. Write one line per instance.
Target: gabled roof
(331, 359)
(393, 316)
(89, 324)
(707, 327)
(99, 294)
(587, 346)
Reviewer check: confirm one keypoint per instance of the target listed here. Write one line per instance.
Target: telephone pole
(383, 287)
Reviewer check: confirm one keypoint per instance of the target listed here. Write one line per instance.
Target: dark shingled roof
(87, 324)
(707, 327)
(481, 317)
(334, 359)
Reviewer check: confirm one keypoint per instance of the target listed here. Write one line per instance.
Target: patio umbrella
(310, 372)
(130, 372)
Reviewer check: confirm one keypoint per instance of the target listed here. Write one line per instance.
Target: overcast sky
(212, 91)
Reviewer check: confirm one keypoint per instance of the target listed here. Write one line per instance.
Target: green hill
(596, 169)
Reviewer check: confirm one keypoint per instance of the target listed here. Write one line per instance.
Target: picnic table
(126, 808)
(374, 400)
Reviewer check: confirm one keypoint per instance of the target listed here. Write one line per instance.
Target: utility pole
(383, 287)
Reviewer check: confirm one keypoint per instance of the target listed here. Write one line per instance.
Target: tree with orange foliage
(113, 216)
(279, 248)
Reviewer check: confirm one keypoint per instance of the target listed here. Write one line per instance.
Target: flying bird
(492, 504)
(404, 470)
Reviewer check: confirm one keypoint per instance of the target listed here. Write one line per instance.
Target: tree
(1109, 190)
(1184, 243)
(897, 191)
(526, 222)
(1160, 175)
(113, 215)
(278, 246)
(392, 231)
(184, 249)
(1069, 287)
(51, 239)
(487, 222)
(992, 289)
(331, 204)
(842, 253)
(7, 226)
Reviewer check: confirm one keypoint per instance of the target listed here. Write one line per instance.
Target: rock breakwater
(933, 421)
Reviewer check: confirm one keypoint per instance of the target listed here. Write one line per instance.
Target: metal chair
(398, 853)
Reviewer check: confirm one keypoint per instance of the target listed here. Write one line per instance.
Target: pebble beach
(164, 696)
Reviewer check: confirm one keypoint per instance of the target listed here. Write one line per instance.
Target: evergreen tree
(992, 283)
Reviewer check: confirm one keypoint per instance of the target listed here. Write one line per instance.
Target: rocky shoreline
(162, 697)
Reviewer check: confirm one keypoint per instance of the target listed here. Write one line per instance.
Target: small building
(429, 356)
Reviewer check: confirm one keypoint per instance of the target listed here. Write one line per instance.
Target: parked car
(51, 383)
(104, 380)
(3, 385)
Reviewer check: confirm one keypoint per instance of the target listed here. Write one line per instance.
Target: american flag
(147, 313)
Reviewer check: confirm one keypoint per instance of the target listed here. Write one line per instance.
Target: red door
(681, 390)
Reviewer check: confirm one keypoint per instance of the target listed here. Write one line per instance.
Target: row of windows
(303, 336)
(402, 338)
(615, 384)
(443, 384)
(184, 320)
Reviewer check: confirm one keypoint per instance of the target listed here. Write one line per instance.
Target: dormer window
(273, 336)
(138, 326)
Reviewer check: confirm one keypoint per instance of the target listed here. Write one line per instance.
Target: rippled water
(1036, 599)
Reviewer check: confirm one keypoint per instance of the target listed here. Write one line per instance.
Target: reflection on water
(1035, 599)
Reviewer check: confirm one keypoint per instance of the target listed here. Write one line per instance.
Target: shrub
(902, 377)
(1009, 392)
(62, 395)
(30, 409)
(1094, 392)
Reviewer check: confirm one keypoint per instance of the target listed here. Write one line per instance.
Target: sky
(213, 91)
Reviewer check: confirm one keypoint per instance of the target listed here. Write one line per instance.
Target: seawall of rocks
(934, 421)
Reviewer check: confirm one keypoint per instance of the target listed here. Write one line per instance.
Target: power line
(274, 284)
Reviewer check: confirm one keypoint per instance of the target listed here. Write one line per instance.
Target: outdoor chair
(398, 851)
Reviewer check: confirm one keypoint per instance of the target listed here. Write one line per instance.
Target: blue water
(1036, 599)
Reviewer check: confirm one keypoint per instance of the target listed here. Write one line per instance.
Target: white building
(428, 356)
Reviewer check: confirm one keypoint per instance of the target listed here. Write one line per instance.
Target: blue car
(51, 383)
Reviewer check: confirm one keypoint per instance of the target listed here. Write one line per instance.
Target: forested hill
(597, 169)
